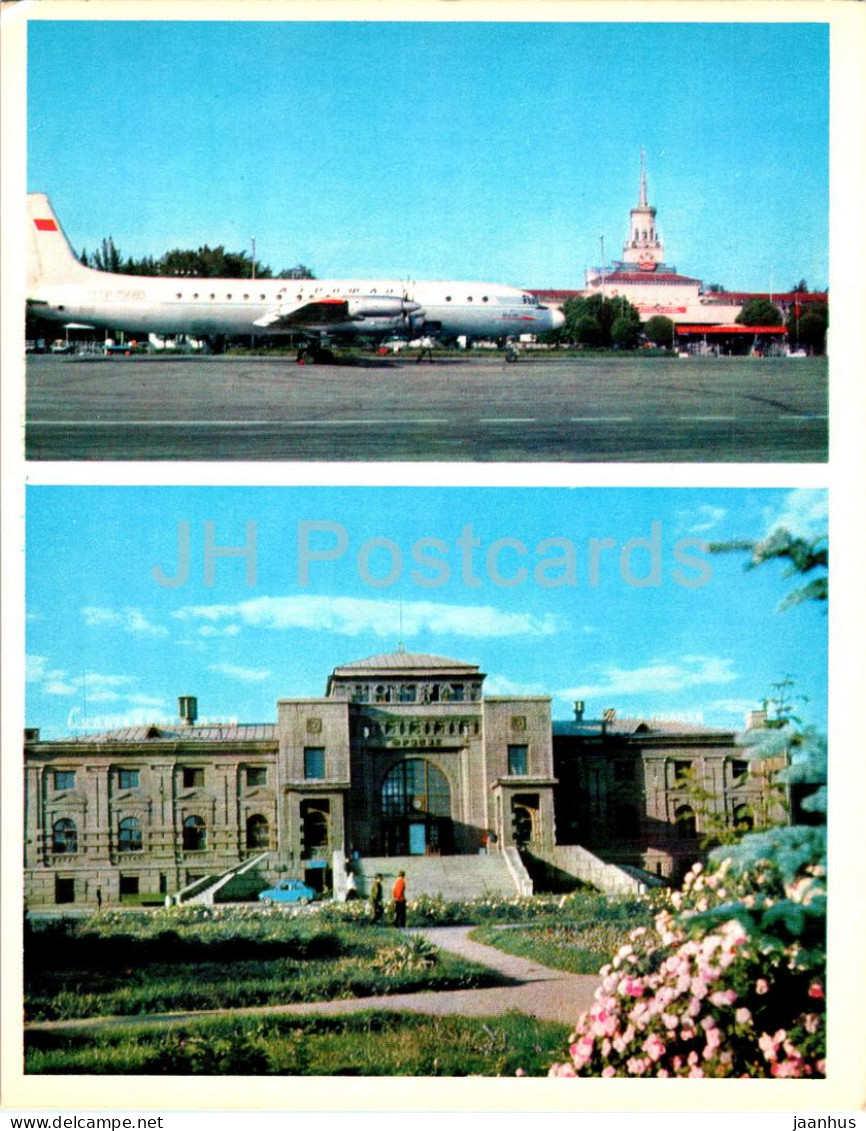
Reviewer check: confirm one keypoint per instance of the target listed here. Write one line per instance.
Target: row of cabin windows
(191, 778)
(526, 300)
(64, 834)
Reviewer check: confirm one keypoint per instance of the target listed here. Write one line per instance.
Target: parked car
(289, 891)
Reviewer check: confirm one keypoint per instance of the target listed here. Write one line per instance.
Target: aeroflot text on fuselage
(62, 289)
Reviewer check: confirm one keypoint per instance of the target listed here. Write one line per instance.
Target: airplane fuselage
(195, 306)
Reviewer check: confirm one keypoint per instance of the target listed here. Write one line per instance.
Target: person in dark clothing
(399, 894)
(377, 903)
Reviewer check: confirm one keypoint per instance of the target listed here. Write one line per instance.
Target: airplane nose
(557, 319)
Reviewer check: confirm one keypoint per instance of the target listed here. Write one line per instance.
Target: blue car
(289, 891)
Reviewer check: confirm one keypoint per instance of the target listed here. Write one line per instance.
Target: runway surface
(472, 409)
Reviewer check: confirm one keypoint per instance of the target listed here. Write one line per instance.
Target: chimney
(755, 720)
(609, 714)
(31, 734)
(579, 706)
(187, 708)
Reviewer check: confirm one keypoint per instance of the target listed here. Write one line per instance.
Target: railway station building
(403, 759)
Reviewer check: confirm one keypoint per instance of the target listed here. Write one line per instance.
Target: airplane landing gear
(315, 355)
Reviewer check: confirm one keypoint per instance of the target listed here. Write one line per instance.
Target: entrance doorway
(416, 809)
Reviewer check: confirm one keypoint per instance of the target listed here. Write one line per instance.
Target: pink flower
(743, 1016)
(609, 1071)
(762, 986)
(811, 1022)
(653, 1046)
(816, 989)
(723, 997)
(561, 1070)
(637, 1065)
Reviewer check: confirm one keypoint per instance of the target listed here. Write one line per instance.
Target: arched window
(415, 787)
(129, 835)
(194, 835)
(258, 832)
(744, 820)
(64, 836)
(685, 823)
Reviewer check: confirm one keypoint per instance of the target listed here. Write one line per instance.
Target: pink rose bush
(728, 983)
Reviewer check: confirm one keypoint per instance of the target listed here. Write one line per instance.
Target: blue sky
(101, 627)
(500, 151)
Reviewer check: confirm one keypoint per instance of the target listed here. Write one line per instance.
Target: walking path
(551, 995)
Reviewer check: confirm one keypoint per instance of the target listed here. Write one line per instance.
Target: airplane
(62, 289)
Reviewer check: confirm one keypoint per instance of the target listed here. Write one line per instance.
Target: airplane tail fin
(50, 258)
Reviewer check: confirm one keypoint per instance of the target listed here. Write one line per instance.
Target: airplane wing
(330, 311)
(309, 313)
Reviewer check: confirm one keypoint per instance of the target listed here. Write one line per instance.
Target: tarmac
(532, 989)
(472, 409)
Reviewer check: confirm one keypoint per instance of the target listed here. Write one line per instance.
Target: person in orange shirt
(399, 894)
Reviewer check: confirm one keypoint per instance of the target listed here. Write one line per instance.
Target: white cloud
(804, 513)
(657, 676)
(500, 685)
(245, 675)
(738, 707)
(92, 687)
(351, 616)
(701, 519)
(128, 620)
(211, 630)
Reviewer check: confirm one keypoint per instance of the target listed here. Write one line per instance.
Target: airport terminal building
(404, 758)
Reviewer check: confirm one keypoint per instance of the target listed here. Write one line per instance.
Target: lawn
(364, 1044)
(586, 932)
(120, 965)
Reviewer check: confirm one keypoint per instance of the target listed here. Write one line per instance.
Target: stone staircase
(204, 891)
(453, 877)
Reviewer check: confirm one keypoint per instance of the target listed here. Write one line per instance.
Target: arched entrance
(416, 809)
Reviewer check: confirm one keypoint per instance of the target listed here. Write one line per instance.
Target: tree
(583, 315)
(660, 331)
(299, 271)
(759, 312)
(587, 331)
(808, 328)
(107, 258)
(624, 333)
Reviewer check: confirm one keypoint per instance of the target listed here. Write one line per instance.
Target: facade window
(129, 835)
(127, 779)
(314, 763)
(194, 835)
(625, 822)
(686, 824)
(257, 775)
(683, 772)
(623, 770)
(457, 692)
(64, 836)
(64, 889)
(64, 779)
(258, 832)
(192, 778)
(414, 788)
(315, 827)
(128, 885)
(518, 761)
(744, 820)
(361, 693)
(739, 769)
(382, 694)
(408, 693)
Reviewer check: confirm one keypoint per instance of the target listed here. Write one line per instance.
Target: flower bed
(729, 982)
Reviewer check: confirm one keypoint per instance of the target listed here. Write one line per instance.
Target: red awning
(683, 329)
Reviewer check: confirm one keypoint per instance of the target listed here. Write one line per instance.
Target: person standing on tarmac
(426, 348)
(399, 894)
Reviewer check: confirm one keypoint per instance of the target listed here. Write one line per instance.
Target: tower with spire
(643, 246)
